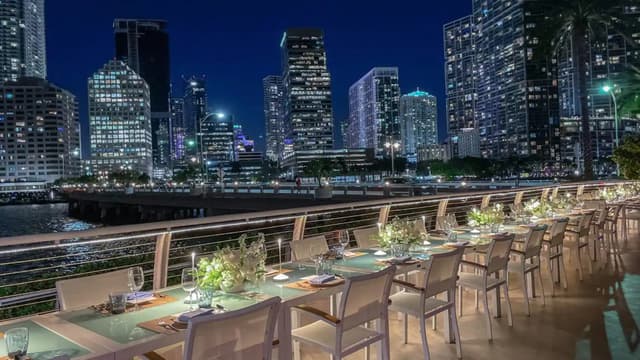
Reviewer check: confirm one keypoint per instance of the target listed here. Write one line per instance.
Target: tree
(629, 102)
(627, 156)
(319, 168)
(577, 21)
(187, 174)
(269, 171)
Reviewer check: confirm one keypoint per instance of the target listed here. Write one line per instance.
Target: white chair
(441, 274)
(529, 261)
(577, 238)
(610, 229)
(554, 242)
(365, 238)
(301, 249)
(497, 261)
(245, 334)
(85, 291)
(365, 299)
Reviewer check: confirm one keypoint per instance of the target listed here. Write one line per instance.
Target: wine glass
(136, 281)
(17, 341)
(317, 255)
(344, 240)
(189, 284)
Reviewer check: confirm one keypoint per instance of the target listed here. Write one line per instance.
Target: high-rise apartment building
(176, 108)
(119, 120)
(144, 45)
(195, 110)
(495, 61)
(217, 139)
(374, 110)
(459, 52)
(22, 39)
(307, 90)
(273, 97)
(39, 131)
(418, 121)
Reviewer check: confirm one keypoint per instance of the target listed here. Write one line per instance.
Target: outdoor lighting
(386, 183)
(439, 180)
(576, 172)
(609, 90)
(393, 147)
(464, 183)
(193, 159)
(235, 183)
(280, 276)
(220, 115)
(606, 88)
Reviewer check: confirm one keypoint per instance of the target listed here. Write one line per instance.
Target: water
(18, 220)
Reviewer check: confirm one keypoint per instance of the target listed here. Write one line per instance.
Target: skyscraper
(217, 139)
(419, 121)
(119, 120)
(39, 131)
(307, 89)
(195, 109)
(459, 52)
(516, 108)
(144, 46)
(176, 107)
(374, 109)
(273, 97)
(22, 39)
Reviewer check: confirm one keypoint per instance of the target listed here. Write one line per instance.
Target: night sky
(236, 43)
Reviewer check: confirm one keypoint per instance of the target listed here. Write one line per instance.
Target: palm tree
(629, 101)
(578, 21)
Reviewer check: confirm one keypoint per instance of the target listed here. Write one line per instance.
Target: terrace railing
(30, 265)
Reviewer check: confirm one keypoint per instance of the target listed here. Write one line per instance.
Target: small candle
(193, 260)
(379, 228)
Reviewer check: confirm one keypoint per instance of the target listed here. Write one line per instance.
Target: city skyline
(258, 56)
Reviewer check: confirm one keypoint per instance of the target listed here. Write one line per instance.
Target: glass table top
(43, 343)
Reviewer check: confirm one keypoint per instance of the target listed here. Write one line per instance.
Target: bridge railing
(30, 265)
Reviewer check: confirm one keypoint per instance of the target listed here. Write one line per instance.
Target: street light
(609, 90)
(393, 147)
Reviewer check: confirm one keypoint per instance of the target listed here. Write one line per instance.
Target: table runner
(160, 299)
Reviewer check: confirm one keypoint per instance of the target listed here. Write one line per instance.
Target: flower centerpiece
(607, 194)
(229, 268)
(398, 236)
(490, 217)
(538, 208)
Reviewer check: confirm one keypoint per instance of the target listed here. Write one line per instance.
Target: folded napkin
(459, 244)
(322, 279)
(139, 295)
(400, 260)
(185, 317)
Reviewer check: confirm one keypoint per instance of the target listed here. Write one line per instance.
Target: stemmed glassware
(317, 255)
(344, 240)
(17, 341)
(189, 284)
(136, 281)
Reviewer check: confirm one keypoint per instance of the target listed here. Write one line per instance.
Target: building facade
(176, 108)
(459, 52)
(22, 40)
(466, 143)
(374, 110)
(273, 95)
(418, 121)
(144, 45)
(195, 110)
(217, 140)
(39, 131)
(119, 121)
(307, 90)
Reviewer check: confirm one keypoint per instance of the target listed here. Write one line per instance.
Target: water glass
(189, 284)
(118, 302)
(344, 239)
(17, 341)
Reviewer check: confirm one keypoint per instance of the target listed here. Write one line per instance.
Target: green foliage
(270, 171)
(319, 168)
(190, 173)
(489, 216)
(627, 156)
(399, 231)
(84, 179)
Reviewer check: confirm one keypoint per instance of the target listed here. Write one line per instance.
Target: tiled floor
(593, 319)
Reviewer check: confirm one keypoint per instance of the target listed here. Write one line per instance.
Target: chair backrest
(533, 242)
(441, 272)
(498, 253)
(486, 200)
(301, 249)
(365, 298)
(544, 196)
(557, 231)
(602, 214)
(615, 213)
(554, 193)
(594, 204)
(442, 207)
(85, 291)
(585, 223)
(244, 334)
(365, 238)
(518, 199)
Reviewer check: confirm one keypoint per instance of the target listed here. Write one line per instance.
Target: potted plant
(321, 169)
(398, 236)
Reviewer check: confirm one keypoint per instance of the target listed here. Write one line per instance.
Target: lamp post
(393, 147)
(609, 90)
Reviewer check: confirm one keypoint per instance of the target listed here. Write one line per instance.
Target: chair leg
(553, 280)
(423, 334)
(488, 314)
(385, 343)
(506, 296)
(460, 301)
(456, 330)
(590, 262)
(525, 289)
(577, 250)
(406, 328)
(563, 271)
(541, 284)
